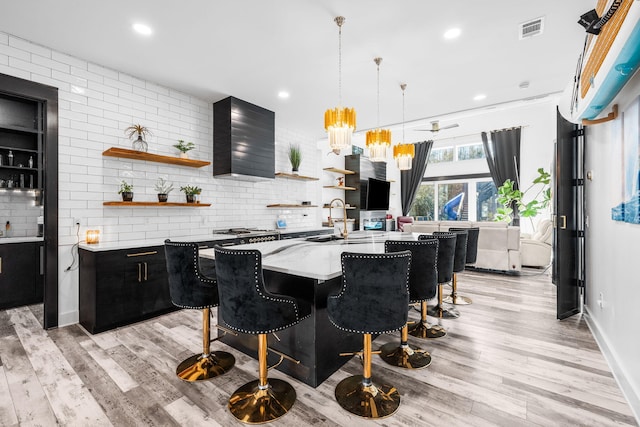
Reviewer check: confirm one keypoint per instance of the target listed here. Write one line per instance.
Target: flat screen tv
(377, 195)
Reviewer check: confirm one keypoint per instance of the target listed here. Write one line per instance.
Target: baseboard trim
(629, 392)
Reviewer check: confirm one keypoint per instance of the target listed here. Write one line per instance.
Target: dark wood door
(567, 215)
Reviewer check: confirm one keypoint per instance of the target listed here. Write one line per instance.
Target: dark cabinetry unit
(364, 169)
(243, 140)
(122, 286)
(21, 137)
(21, 274)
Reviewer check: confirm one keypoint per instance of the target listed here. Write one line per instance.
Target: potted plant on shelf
(184, 148)
(295, 157)
(126, 190)
(191, 191)
(142, 132)
(163, 187)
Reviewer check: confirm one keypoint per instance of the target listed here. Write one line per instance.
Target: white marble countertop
(316, 260)
(131, 244)
(20, 239)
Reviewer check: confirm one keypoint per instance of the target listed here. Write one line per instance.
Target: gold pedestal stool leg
(424, 329)
(358, 394)
(262, 400)
(206, 365)
(440, 310)
(404, 356)
(454, 298)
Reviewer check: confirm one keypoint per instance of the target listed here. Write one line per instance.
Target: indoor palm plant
(508, 196)
(191, 191)
(142, 132)
(126, 190)
(184, 147)
(163, 188)
(295, 157)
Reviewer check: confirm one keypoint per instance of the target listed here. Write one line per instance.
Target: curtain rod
(476, 133)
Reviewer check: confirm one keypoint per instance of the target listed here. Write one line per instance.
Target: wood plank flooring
(505, 362)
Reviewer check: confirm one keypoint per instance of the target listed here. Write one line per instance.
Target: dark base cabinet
(21, 274)
(122, 286)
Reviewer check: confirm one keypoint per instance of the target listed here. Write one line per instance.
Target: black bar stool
(423, 281)
(246, 306)
(471, 254)
(446, 254)
(189, 288)
(373, 300)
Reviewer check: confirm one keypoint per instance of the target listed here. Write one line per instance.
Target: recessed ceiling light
(452, 33)
(479, 97)
(283, 94)
(143, 29)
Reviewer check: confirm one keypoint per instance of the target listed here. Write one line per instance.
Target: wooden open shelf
(337, 207)
(342, 171)
(285, 205)
(141, 155)
(190, 205)
(337, 187)
(293, 176)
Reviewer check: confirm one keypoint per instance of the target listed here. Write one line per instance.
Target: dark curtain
(410, 180)
(502, 150)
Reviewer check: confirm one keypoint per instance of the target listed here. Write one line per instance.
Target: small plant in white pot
(184, 148)
(126, 190)
(191, 191)
(163, 188)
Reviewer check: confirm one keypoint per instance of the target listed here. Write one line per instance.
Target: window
(441, 155)
(472, 199)
(470, 152)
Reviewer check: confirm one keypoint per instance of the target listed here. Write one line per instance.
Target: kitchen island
(309, 268)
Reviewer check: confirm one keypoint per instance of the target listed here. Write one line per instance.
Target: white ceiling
(252, 49)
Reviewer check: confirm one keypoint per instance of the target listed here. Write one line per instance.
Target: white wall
(96, 104)
(611, 250)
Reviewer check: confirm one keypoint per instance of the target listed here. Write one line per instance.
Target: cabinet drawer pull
(41, 260)
(146, 270)
(142, 254)
(139, 272)
(0, 265)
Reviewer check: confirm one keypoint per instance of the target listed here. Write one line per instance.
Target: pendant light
(378, 139)
(404, 153)
(340, 122)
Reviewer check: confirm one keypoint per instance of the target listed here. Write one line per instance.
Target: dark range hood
(243, 140)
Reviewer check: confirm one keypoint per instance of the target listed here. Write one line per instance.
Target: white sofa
(536, 249)
(498, 242)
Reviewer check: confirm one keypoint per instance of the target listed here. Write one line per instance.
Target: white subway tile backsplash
(11, 71)
(61, 57)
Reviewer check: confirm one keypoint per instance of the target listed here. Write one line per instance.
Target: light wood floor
(506, 361)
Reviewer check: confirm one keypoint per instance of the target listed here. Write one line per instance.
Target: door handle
(41, 260)
(0, 265)
(145, 271)
(139, 272)
(142, 254)
(564, 222)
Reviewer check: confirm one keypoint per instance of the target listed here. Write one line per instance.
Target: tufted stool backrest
(423, 278)
(188, 287)
(446, 253)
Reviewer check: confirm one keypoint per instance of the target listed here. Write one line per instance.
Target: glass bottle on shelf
(30, 161)
(10, 158)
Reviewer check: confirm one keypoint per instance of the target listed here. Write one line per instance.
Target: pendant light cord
(378, 64)
(403, 86)
(340, 64)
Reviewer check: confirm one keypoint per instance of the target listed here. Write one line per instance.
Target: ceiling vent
(531, 28)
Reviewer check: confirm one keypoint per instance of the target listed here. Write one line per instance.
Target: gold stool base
(443, 312)
(458, 300)
(407, 357)
(423, 330)
(367, 401)
(205, 366)
(252, 405)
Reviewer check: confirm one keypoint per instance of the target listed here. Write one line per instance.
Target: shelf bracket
(611, 116)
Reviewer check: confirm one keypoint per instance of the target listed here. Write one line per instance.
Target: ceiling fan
(435, 127)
